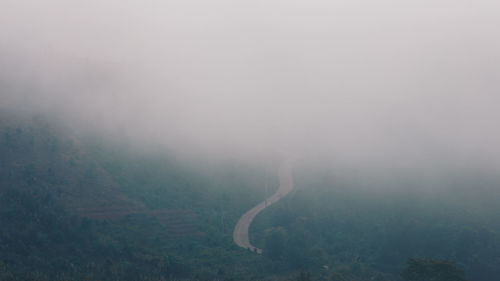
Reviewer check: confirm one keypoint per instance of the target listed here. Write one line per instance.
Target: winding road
(240, 234)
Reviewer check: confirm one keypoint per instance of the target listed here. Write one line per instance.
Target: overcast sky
(375, 83)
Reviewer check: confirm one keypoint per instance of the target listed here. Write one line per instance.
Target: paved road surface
(240, 235)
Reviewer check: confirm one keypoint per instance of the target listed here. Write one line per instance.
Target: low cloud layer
(392, 84)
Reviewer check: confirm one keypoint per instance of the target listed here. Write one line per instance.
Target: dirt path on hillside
(240, 235)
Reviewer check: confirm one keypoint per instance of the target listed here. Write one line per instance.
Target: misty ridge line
(136, 134)
(394, 86)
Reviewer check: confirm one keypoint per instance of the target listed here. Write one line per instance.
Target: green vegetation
(342, 230)
(75, 209)
(432, 270)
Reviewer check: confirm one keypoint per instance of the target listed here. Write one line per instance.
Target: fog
(381, 85)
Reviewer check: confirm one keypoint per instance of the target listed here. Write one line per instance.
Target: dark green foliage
(38, 235)
(432, 270)
(275, 242)
(303, 276)
(362, 234)
(50, 183)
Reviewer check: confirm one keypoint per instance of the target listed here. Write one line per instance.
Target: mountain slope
(78, 208)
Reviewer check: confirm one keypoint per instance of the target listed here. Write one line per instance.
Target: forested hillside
(74, 208)
(350, 229)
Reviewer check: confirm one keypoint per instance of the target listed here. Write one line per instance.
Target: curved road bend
(240, 235)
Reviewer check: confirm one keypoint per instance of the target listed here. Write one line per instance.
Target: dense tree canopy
(432, 270)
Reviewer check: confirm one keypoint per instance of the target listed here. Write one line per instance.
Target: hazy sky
(378, 83)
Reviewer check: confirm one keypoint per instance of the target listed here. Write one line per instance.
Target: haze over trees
(76, 208)
(135, 134)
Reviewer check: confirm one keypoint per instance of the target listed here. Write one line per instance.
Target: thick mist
(380, 85)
